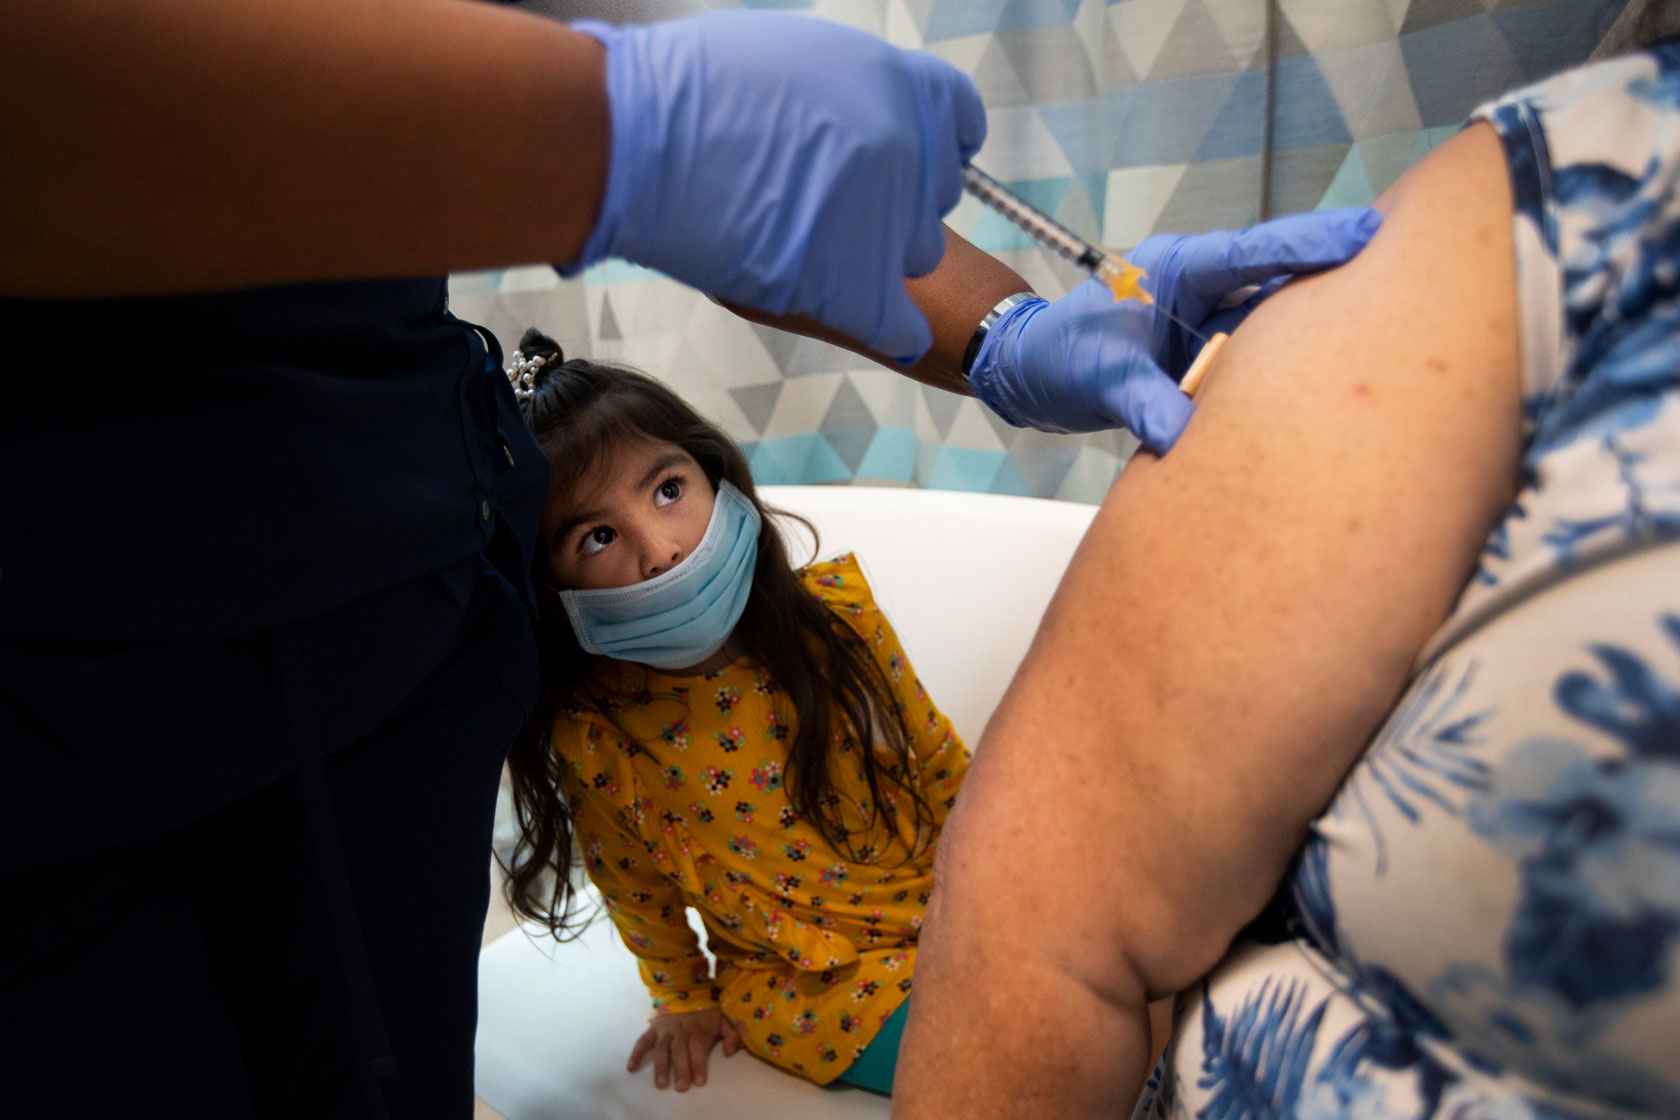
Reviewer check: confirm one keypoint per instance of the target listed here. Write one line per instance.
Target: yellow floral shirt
(815, 948)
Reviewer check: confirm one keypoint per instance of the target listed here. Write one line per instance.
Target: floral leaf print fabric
(680, 802)
(1257, 1056)
(1486, 920)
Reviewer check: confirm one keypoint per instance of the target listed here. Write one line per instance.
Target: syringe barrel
(1040, 226)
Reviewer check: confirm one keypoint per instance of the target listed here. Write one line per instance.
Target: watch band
(986, 324)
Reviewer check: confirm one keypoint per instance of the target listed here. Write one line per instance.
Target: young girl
(723, 732)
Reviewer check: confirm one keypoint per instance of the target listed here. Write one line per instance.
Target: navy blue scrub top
(182, 475)
(200, 466)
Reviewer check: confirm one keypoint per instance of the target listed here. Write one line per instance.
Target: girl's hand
(683, 1041)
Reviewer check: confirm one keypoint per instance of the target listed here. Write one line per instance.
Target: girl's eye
(597, 539)
(669, 491)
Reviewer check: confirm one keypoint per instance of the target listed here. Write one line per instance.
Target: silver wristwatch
(992, 316)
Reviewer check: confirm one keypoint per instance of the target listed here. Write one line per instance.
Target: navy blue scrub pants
(308, 948)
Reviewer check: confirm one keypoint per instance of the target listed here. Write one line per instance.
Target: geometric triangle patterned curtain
(1122, 119)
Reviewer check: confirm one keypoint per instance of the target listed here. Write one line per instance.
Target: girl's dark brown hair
(582, 411)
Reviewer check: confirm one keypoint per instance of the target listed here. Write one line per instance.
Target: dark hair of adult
(581, 412)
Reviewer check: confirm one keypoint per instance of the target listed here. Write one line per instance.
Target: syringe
(1118, 275)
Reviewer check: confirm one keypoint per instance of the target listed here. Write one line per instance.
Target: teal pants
(874, 1069)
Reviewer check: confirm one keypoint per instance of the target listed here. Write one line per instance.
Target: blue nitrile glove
(1087, 362)
(785, 163)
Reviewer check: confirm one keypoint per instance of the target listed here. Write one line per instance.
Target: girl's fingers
(698, 1049)
(662, 1064)
(679, 1054)
(679, 1063)
(640, 1051)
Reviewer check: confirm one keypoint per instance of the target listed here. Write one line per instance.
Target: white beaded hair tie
(522, 374)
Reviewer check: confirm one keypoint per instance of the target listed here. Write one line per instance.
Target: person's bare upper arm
(1243, 613)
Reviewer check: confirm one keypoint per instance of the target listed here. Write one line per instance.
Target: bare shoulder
(1435, 287)
(1360, 430)
(1350, 451)
(1422, 323)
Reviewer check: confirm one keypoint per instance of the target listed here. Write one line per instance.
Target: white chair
(965, 579)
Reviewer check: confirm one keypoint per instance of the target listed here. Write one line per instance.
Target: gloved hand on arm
(1086, 362)
(784, 163)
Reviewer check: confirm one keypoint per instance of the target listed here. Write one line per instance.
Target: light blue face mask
(680, 617)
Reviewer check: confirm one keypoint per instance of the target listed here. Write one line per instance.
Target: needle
(1120, 275)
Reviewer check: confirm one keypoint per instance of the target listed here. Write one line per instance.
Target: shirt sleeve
(937, 750)
(1593, 156)
(1594, 159)
(649, 911)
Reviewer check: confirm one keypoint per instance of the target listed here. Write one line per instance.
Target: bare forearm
(955, 297)
(170, 145)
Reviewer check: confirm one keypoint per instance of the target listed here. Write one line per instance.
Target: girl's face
(639, 514)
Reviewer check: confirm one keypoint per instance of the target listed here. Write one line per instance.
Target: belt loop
(374, 1059)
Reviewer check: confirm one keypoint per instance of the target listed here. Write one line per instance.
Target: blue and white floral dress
(1486, 921)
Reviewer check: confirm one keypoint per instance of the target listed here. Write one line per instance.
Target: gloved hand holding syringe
(1104, 355)
(1119, 275)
